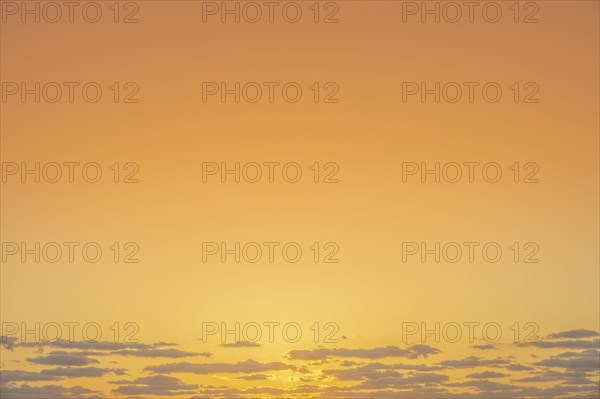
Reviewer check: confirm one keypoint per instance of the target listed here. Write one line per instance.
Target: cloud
(248, 366)
(517, 367)
(375, 370)
(485, 385)
(76, 372)
(577, 377)
(328, 372)
(487, 374)
(90, 345)
(472, 361)
(242, 344)
(586, 360)
(154, 352)
(412, 352)
(255, 377)
(60, 358)
(8, 342)
(370, 371)
(567, 344)
(485, 347)
(396, 380)
(581, 333)
(424, 350)
(155, 385)
(47, 392)
(105, 348)
(7, 376)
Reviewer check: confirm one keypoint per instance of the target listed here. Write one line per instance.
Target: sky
(310, 199)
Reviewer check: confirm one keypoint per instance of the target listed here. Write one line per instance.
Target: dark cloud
(391, 379)
(248, 366)
(8, 342)
(586, 360)
(487, 374)
(485, 385)
(76, 372)
(485, 347)
(242, 344)
(411, 352)
(370, 371)
(95, 346)
(104, 348)
(7, 376)
(376, 370)
(61, 358)
(255, 377)
(566, 344)
(160, 385)
(47, 392)
(517, 367)
(473, 361)
(156, 352)
(577, 377)
(581, 333)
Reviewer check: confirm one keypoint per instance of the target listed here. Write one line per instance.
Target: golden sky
(310, 199)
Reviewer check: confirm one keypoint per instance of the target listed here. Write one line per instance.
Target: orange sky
(327, 137)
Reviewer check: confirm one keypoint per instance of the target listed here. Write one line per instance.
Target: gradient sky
(163, 138)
